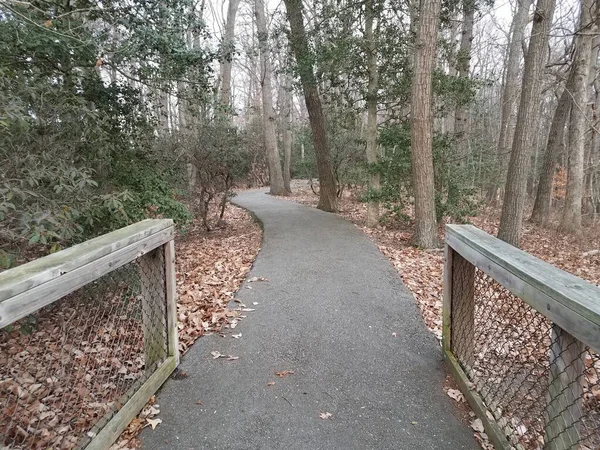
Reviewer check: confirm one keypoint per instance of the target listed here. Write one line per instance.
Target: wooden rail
(570, 303)
(27, 288)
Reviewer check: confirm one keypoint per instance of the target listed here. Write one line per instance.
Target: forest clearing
(460, 136)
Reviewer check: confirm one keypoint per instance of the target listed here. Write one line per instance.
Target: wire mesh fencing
(539, 384)
(67, 369)
(513, 357)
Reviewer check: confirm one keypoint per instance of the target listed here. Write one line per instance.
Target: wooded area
(115, 112)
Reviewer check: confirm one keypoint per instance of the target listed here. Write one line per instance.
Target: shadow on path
(328, 313)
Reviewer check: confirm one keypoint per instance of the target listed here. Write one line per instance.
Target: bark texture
(571, 218)
(227, 49)
(287, 135)
(463, 65)
(304, 60)
(425, 234)
(276, 186)
(518, 168)
(372, 150)
(543, 199)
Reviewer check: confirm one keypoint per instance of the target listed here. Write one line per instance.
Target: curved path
(328, 313)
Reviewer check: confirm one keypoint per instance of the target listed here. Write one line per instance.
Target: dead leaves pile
(210, 269)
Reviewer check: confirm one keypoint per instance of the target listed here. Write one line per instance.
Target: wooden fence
(87, 336)
(522, 339)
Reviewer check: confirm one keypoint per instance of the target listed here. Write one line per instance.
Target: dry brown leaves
(82, 353)
(210, 269)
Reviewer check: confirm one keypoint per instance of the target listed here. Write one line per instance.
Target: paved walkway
(328, 313)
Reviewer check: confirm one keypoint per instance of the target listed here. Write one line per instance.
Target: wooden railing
(89, 334)
(522, 339)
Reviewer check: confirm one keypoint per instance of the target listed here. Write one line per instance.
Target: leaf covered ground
(66, 367)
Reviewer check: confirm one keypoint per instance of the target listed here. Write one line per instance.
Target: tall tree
(227, 51)
(287, 132)
(372, 150)
(305, 63)
(511, 76)
(463, 65)
(276, 186)
(543, 199)
(518, 168)
(422, 127)
(571, 219)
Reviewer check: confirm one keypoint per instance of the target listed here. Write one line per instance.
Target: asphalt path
(335, 312)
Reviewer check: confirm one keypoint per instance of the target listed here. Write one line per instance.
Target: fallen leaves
(455, 394)
(271, 383)
(153, 422)
(217, 355)
(325, 415)
(477, 425)
(284, 373)
(255, 279)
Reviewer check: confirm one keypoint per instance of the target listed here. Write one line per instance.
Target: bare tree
(511, 75)
(304, 61)
(227, 49)
(287, 132)
(372, 150)
(571, 219)
(421, 128)
(276, 186)
(518, 168)
(543, 199)
(463, 64)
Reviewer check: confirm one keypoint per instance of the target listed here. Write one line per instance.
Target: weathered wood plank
(30, 300)
(565, 391)
(33, 274)
(447, 298)
(171, 290)
(113, 429)
(568, 301)
(564, 288)
(473, 398)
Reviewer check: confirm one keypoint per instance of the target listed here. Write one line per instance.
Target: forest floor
(422, 270)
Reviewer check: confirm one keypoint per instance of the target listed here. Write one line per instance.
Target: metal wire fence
(68, 368)
(538, 384)
(508, 356)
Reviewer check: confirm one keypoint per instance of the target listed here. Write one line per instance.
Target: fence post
(565, 391)
(152, 279)
(447, 299)
(461, 307)
(171, 291)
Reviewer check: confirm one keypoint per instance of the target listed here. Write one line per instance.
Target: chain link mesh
(68, 368)
(540, 385)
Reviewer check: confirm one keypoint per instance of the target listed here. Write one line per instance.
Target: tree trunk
(425, 234)
(287, 134)
(511, 78)
(543, 199)
(571, 219)
(275, 174)
(373, 155)
(227, 49)
(518, 168)
(305, 61)
(463, 65)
